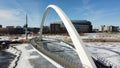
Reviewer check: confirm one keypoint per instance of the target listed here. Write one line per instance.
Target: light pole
(26, 27)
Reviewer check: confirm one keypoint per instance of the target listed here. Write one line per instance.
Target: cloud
(91, 12)
(13, 14)
(85, 1)
(12, 17)
(4, 14)
(100, 14)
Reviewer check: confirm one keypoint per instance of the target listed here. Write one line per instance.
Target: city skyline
(100, 12)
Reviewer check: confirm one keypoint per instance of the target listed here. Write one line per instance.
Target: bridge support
(81, 50)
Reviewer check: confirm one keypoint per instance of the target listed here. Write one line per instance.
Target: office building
(113, 28)
(82, 26)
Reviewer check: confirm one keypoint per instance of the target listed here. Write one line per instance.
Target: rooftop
(74, 21)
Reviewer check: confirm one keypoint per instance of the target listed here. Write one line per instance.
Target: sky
(99, 12)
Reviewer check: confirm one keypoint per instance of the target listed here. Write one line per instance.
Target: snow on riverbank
(23, 62)
(88, 36)
(31, 58)
(109, 51)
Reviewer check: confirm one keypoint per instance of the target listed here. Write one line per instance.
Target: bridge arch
(81, 50)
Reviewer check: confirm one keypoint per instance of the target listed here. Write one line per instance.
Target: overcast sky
(99, 12)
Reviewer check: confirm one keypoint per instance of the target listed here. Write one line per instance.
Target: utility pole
(26, 28)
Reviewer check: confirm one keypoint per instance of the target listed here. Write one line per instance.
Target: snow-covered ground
(108, 52)
(31, 58)
(23, 61)
(88, 36)
(104, 36)
(4, 38)
(6, 57)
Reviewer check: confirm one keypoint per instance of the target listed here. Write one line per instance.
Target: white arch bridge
(81, 50)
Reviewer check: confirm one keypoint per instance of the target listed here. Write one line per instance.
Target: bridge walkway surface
(31, 58)
(64, 51)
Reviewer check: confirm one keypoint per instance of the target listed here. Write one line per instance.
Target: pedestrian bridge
(81, 50)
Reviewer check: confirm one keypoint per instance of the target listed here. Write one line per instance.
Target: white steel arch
(83, 54)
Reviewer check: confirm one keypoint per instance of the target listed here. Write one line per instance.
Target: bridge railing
(107, 62)
(67, 63)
